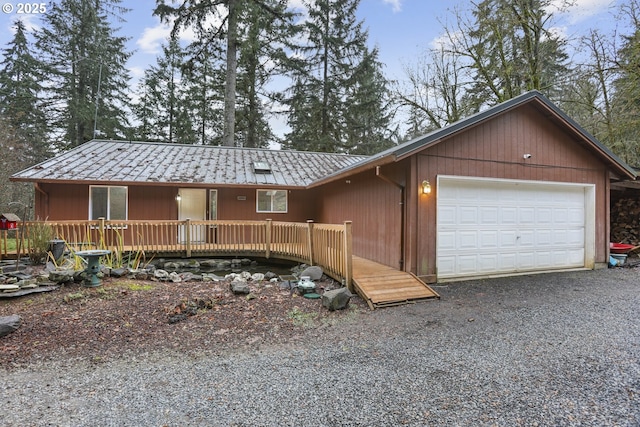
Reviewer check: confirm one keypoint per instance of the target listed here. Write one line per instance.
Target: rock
(9, 324)
(193, 264)
(269, 275)
(190, 277)
(119, 272)
(314, 272)
(62, 276)
(336, 299)
(177, 318)
(175, 277)
(161, 274)
(141, 274)
(210, 277)
(257, 277)
(240, 288)
(285, 285)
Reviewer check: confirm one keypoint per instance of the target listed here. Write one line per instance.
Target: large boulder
(337, 299)
(238, 287)
(9, 324)
(62, 276)
(314, 272)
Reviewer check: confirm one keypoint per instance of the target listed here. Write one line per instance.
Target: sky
(403, 30)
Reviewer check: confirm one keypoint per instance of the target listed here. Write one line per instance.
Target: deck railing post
(310, 240)
(187, 234)
(348, 256)
(267, 251)
(102, 235)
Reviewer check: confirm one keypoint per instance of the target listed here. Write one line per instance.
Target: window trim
(109, 187)
(286, 207)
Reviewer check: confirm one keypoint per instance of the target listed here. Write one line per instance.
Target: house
(517, 188)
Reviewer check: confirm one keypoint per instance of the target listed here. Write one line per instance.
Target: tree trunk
(230, 85)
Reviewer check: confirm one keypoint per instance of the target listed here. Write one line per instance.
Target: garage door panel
(527, 239)
(467, 263)
(487, 227)
(488, 239)
(468, 215)
(446, 241)
(508, 215)
(489, 215)
(488, 263)
(544, 237)
(508, 239)
(544, 215)
(467, 240)
(575, 237)
(447, 216)
(526, 216)
(575, 216)
(447, 265)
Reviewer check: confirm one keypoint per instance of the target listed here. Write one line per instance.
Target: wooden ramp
(380, 285)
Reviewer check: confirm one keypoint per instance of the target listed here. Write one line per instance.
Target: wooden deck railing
(325, 245)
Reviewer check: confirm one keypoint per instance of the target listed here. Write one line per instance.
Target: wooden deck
(381, 286)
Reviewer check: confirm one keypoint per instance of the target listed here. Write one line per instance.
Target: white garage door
(494, 227)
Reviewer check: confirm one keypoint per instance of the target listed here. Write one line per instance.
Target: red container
(620, 248)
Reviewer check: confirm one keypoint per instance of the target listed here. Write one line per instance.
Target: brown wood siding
(374, 206)
(63, 202)
(71, 202)
(495, 149)
(301, 206)
(153, 203)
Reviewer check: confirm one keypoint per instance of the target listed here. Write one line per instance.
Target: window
(272, 201)
(213, 205)
(107, 202)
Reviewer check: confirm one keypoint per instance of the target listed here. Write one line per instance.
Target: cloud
(153, 37)
(581, 10)
(396, 4)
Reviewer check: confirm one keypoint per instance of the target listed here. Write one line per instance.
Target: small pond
(224, 266)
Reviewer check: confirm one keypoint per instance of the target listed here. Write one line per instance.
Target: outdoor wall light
(426, 187)
(178, 198)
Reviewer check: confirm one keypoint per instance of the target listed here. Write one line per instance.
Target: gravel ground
(558, 349)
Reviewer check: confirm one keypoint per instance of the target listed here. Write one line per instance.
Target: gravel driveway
(558, 349)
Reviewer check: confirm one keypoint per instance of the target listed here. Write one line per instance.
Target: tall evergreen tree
(334, 70)
(163, 111)
(203, 80)
(368, 115)
(231, 21)
(20, 88)
(510, 49)
(89, 81)
(265, 35)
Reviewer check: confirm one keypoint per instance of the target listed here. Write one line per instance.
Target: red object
(9, 221)
(7, 225)
(621, 248)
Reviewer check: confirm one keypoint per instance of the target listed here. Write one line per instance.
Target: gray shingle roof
(150, 162)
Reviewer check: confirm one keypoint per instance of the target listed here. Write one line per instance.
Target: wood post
(310, 240)
(102, 235)
(187, 236)
(348, 256)
(268, 238)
